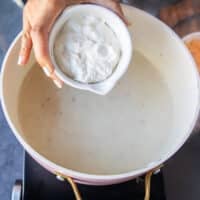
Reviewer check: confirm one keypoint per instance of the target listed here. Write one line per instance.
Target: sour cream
(86, 49)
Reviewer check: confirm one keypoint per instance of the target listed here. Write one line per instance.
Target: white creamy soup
(120, 132)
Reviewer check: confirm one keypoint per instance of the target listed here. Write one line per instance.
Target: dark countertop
(182, 175)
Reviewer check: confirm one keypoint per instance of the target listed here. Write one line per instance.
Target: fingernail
(127, 22)
(46, 71)
(57, 83)
(20, 60)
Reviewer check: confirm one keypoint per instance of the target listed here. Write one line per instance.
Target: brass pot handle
(148, 182)
(72, 184)
(78, 195)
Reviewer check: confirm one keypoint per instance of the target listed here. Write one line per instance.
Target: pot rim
(96, 177)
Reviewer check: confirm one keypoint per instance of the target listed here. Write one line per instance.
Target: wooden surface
(183, 17)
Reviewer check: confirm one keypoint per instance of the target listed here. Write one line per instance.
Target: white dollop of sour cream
(86, 49)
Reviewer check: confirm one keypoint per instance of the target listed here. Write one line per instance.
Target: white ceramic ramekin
(119, 28)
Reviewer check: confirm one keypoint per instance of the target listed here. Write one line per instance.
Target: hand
(38, 19)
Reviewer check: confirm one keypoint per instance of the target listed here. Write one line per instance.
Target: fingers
(118, 10)
(40, 45)
(26, 46)
(113, 5)
(56, 80)
(26, 43)
(53, 76)
(36, 27)
(39, 37)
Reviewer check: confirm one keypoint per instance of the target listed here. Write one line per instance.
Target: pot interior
(144, 119)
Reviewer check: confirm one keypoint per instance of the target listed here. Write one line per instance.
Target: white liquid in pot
(120, 132)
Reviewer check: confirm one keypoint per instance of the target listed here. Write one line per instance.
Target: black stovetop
(39, 184)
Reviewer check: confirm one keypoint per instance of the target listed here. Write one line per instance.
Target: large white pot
(163, 48)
